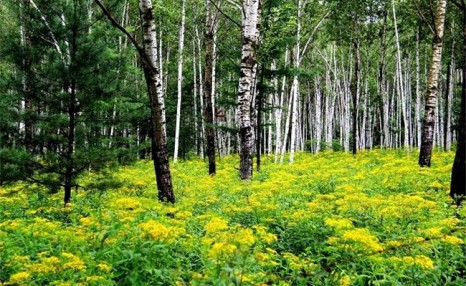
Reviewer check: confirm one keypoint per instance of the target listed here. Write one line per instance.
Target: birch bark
(432, 86)
(180, 80)
(250, 40)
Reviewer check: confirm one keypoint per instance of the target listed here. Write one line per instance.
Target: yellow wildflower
(75, 265)
(155, 229)
(424, 262)
(344, 281)
(216, 225)
(339, 223)
(94, 278)
(436, 185)
(74, 262)
(51, 260)
(127, 203)
(264, 236)
(449, 239)
(221, 249)
(86, 221)
(363, 237)
(19, 278)
(245, 237)
(433, 232)
(104, 267)
(42, 268)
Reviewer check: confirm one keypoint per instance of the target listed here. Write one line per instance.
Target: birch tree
(432, 85)
(180, 79)
(250, 39)
(148, 54)
(211, 20)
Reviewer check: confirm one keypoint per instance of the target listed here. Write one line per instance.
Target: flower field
(328, 219)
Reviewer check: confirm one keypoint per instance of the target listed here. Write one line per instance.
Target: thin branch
(54, 40)
(224, 14)
(122, 29)
(314, 31)
(237, 6)
(327, 64)
(423, 17)
(460, 6)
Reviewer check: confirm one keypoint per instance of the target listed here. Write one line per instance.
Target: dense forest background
(340, 75)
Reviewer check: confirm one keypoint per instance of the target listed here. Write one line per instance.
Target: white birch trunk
(318, 113)
(179, 80)
(245, 87)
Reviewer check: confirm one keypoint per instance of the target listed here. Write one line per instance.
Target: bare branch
(121, 28)
(224, 14)
(457, 4)
(236, 5)
(423, 17)
(52, 35)
(314, 31)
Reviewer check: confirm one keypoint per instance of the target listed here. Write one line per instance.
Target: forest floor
(328, 219)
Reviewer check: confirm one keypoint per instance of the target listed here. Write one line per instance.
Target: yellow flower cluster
(360, 239)
(73, 262)
(287, 223)
(159, 231)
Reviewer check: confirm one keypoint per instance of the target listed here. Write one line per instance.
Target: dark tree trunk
(70, 144)
(458, 174)
(70, 88)
(28, 92)
(208, 115)
(355, 95)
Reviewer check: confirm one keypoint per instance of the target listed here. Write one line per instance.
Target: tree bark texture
(432, 87)
(180, 80)
(458, 174)
(355, 94)
(250, 40)
(208, 113)
(154, 87)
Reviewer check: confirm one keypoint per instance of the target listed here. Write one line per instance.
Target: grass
(328, 219)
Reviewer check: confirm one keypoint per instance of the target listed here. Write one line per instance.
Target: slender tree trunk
(209, 114)
(70, 88)
(355, 94)
(400, 85)
(458, 174)
(450, 87)
(278, 116)
(417, 113)
(201, 91)
(318, 113)
(446, 110)
(432, 86)
(26, 125)
(196, 125)
(180, 80)
(260, 103)
(154, 86)
(286, 132)
(245, 88)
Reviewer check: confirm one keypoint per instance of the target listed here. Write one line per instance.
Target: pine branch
(457, 4)
(115, 23)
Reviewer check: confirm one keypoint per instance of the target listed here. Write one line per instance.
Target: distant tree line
(218, 77)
